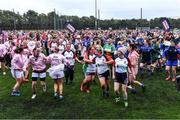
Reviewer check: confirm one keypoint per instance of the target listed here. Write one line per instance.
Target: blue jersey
(146, 52)
(161, 46)
(171, 53)
(86, 42)
(140, 40)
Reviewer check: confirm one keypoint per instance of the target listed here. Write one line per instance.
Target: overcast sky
(121, 9)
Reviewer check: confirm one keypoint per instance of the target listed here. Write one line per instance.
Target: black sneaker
(15, 93)
(70, 83)
(143, 88)
(61, 97)
(104, 94)
(107, 94)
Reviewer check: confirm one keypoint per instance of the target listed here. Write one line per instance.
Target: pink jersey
(26, 54)
(39, 63)
(18, 62)
(7, 45)
(133, 58)
(56, 59)
(2, 50)
(13, 51)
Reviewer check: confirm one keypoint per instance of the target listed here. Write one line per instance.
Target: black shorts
(2, 59)
(88, 73)
(105, 74)
(146, 61)
(36, 78)
(121, 78)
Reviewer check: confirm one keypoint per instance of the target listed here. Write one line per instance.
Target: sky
(117, 9)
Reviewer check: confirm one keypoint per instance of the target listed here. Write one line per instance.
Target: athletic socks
(125, 100)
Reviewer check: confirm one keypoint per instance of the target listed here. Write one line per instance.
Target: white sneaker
(4, 73)
(33, 96)
(117, 99)
(44, 88)
(126, 104)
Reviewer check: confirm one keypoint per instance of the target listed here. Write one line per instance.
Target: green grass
(161, 100)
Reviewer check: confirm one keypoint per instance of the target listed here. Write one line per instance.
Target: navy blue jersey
(171, 53)
(86, 42)
(145, 51)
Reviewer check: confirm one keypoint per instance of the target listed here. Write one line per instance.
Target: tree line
(31, 20)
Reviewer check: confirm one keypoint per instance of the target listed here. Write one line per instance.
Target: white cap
(122, 49)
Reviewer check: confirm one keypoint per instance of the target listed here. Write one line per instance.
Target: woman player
(56, 72)
(17, 72)
(133, 58)
(120, 71)
(89, 69)
(102, 62)
(38, 62)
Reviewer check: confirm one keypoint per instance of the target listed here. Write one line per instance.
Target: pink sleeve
(14, 62)
(4, 50)
(133, 60)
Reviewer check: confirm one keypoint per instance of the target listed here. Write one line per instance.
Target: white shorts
(39, 75)
(57, 75)
(17, 74)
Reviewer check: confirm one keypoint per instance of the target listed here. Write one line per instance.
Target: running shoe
(61, 97)
(33, 96)
(126, 104)
(117, 99)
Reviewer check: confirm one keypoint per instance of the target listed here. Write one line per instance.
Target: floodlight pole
(54, 18)
(141, 18)
(14, 20)
(98, 18)
(95, 14)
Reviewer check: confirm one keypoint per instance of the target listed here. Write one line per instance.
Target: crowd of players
(118, 54)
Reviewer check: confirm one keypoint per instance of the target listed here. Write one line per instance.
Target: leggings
(69, 73)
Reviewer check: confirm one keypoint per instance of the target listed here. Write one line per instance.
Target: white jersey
(61, 49)
(101, 66)
(90, 68)
(54, 45)
(70, 57)
(72, 48)
(121, 65)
